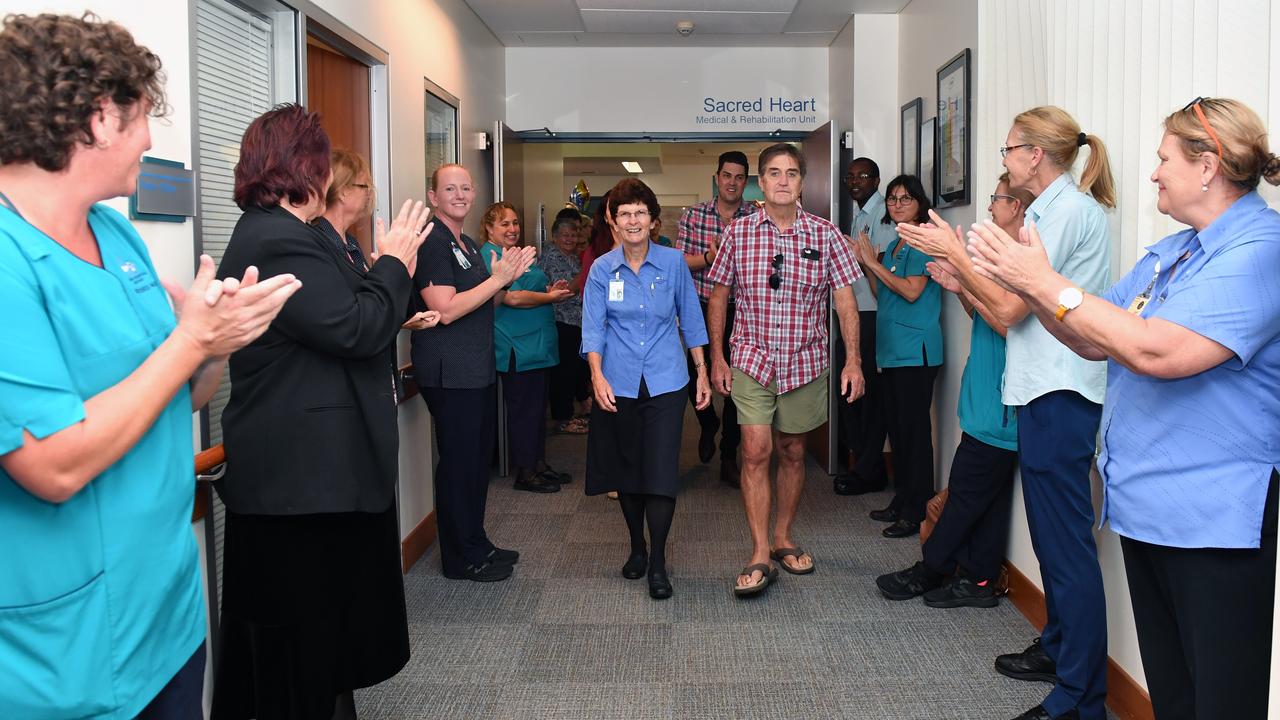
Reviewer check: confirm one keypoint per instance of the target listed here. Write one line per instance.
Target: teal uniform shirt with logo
(908, 334)
(100, 595)
(530, 332)
(982, 413)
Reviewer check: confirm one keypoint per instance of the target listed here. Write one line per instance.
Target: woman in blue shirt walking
(1191, 425)
(638, 301)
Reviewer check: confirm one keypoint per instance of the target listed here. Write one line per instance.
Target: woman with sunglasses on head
(1191, 425)
(908, 353)
(1058, 395)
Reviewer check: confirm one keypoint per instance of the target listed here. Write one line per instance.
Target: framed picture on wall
(928, 132)
(909, 158)
(954, 132)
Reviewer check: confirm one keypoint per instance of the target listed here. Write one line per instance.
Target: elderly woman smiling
(1191, 424)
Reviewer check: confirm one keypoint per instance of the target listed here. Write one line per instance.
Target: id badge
(1139, 302)
(615, 291)
(463, 262)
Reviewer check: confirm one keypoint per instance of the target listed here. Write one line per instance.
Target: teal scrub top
(982, 414)
(907, 332)
(100, 596)
(529, 332)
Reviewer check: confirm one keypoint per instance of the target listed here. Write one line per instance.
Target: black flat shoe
(1039, 713)
(854, 484)
(553, 475)
(535, 483)
(901, 529)
(659, 585)
(1032, 664)
(503, 556)
(485, 572)
(889, 515)
(635, 566)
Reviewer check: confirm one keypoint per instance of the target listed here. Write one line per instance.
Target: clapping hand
(220, 317)
(422, 320)
(405, 236)
(944, 274)
(1015, 264)
(513, 263)
(936, 239)
(560, 291)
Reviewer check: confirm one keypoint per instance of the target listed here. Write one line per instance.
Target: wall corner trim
(416, 543)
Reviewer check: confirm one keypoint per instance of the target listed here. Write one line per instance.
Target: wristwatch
(1069, 299)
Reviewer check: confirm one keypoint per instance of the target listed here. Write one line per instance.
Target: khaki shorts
(795, 412)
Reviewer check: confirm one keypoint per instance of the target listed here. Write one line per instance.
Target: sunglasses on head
(1204, 121)
(775, 280)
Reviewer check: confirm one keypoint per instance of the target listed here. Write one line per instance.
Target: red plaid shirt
(699, 225)
(782, 334)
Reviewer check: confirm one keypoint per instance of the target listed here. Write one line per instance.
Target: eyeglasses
(628, 215)
(858, 177)
(1004, 149)
(997, 196)
(362, 186)
(775, 280)
(899, 200)
(1204, 121)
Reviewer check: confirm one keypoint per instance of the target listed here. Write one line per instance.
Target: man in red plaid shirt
(781, 263)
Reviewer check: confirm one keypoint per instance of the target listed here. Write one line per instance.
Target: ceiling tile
(504, 16)
(784, 6)
(657, 21)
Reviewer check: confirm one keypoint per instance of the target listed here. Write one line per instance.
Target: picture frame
(928, 158)
(441, 138)
(909, 153)
(954, 132)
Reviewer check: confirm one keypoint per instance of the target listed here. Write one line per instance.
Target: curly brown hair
(55, 70)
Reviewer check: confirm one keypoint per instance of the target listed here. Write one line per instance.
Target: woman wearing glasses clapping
(908, 352)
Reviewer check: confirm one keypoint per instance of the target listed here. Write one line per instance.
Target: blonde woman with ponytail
(1191, 427)
(1059, 398)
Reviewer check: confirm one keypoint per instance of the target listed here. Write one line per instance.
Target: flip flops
(794, 552)
(768, 575)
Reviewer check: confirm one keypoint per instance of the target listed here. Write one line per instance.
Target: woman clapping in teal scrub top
(101, 609)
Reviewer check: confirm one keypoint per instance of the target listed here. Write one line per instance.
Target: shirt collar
(1226, 226)
(873, 206)
(802, 219)
(1038, 207)
(615, 259)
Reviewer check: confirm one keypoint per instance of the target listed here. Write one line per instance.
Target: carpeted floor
(568, 637)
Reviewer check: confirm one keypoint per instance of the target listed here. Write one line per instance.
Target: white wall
(659, 89)
(875, 89)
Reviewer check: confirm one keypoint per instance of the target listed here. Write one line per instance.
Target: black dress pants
(730, 433)
(862, 422)
(571, 378)
(974, 527)
(465, 421)
(524, 394)
(1204, 618)
(908, 394)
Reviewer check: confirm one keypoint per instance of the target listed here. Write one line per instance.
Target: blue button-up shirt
(869, 218)
(638, 335)
(1187, 462)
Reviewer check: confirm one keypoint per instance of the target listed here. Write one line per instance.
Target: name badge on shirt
(615, 291)
(1138, 304)
(463, 262)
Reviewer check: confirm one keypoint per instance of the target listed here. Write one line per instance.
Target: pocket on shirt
(57, 656)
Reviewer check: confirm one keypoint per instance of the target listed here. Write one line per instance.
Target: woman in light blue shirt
(1191, 426)
(638, 301)
(101, 607)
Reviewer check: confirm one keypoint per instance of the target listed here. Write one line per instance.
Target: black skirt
(637, 448)
(312, 606)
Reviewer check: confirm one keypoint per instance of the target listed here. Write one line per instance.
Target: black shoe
(503, 557)
(707, 442)
(851, 483)
(901, 529)
(963, 592)
(906, 584)
(535, 483)
(1030, 664)
(659, 585)
(729, 473)
(553, 475)
(889, 515)
(485, 572)
(635, 566)
(1039, 713)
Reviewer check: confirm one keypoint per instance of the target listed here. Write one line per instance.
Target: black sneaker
(550, 474)
(963, 592)
(535, 483)
(1030, 664)
(503, 556)
(910, 583)
(485, 572)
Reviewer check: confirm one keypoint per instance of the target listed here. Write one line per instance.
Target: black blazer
(311, 425)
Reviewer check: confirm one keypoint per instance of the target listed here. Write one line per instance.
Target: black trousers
(973, 530)
(908, 395)
(571, 378)
(1204, 620)
(862, 423)
(524, 394)
(465, 421)
(730, 433)
(182, 698)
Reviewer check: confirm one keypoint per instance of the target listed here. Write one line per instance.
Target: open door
(508, 185)
(818, 197)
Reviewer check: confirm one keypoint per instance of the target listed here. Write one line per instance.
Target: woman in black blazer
(313, 600)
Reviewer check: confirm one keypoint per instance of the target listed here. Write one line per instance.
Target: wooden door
(338, 89)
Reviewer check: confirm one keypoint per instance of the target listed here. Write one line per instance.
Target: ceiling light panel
(707, 23)
(784, 6)
(632, 167)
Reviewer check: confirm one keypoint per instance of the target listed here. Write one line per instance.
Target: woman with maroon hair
(313, 600)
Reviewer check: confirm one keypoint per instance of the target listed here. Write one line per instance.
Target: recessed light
(632, 167)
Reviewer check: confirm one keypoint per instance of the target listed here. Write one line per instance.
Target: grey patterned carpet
(568, 637)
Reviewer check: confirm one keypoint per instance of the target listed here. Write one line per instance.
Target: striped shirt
(699, 226)
(782, 334)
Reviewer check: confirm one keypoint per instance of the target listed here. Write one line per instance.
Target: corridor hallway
(568, 638)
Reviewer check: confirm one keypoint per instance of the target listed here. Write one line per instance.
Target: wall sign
(750, 114)
(166, 192)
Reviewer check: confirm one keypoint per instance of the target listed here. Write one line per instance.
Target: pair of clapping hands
(1014, 264)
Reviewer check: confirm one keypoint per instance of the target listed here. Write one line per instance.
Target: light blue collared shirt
(869, 218)
(1074, 231)
(1187, 462)
(637, 335)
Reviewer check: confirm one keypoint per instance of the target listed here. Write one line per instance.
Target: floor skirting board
(415, 544)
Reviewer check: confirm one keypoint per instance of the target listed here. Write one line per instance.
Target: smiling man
(781, 264)
(699, 239)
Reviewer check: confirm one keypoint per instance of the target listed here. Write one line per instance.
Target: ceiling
(652, 23)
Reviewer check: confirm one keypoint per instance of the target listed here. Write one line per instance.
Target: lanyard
(9, 204)
(1156, 275)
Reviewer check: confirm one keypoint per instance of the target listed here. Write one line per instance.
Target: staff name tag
(463, 262)
(615, 291)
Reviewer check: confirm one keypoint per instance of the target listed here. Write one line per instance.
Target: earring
(1204, 188)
